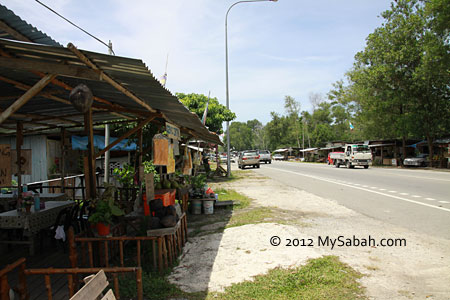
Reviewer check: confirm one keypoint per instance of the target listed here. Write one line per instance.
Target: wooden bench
(92, 290)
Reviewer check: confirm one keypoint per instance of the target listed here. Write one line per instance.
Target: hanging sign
(5, 165)
(173, 131)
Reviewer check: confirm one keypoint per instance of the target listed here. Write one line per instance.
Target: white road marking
(392, 191)
(443, 202)
(430, 199)
(367, 190)
(404, 194)
(366, 186)
(382, 189)
(373, 187)
(416, 196)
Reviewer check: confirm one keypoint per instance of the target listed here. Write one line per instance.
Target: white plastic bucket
(208, 207)
(196, 207)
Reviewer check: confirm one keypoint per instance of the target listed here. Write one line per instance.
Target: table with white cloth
(31, 223)
(5, 199)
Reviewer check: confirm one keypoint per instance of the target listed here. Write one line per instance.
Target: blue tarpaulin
(80, 143)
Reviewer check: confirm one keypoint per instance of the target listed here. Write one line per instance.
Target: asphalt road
(416, 199)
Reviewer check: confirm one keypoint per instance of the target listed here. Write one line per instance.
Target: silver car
(248, 158)
(420, 161)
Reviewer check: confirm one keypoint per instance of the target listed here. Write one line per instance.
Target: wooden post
(140, 289)
(140, 174)
(19, 142)
(63, 159)
(89, 173)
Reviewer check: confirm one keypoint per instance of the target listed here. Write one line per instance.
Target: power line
(91, 35)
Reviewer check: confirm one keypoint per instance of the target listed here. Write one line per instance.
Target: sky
(276, 49)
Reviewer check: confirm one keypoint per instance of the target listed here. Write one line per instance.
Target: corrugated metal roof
(20, 62)
(9, 19)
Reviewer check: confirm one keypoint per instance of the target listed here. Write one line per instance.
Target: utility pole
(107, 133)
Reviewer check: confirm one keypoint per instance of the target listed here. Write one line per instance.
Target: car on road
(223, 158)
(278, 157)
(420, 160)
(265, 156)
(248, 158)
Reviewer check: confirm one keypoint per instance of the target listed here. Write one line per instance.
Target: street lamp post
(226, 77)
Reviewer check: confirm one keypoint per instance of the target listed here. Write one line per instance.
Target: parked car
(223, 158)
(248, 158)
(420, 160)
(278, 156)
(265, 156)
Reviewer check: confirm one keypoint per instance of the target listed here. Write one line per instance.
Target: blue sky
(289, 47)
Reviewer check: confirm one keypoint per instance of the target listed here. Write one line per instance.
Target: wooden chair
(92, 290)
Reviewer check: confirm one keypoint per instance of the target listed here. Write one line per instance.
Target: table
(32, 222)
(6, 198)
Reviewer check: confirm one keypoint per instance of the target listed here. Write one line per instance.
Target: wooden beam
(14, 32)
(33, 91)
(90, 172)
(63, 159)
(139, 126)
(47, 67)
(50, 96)
(66, 87)
(108, 79)
(19, 142)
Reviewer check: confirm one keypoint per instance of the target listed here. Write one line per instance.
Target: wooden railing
(72, 278)
(4, 284)
(107, 247)
(72, 275)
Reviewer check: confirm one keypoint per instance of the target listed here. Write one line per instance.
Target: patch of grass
(251, 216)
(226, 194)
(321, 278)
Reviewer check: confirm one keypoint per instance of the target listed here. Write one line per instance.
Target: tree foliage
(217, 113)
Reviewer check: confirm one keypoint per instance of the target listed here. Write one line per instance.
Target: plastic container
(196, 207)
(37, 202)
(208, 207)
(166, 195)
(146, 206)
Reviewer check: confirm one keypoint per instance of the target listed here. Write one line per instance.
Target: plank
(93, 288)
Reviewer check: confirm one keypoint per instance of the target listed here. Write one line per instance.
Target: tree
(241, 136)
(217, 113)
(292, 108)
(401, 78)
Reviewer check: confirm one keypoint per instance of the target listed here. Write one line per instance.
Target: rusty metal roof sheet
(20, 64)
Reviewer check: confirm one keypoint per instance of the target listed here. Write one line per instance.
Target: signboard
(5, 165)
(25, 161)
(173, 131)
(149, 186)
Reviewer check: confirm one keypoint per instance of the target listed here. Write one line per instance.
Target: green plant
(149, 168)
(198, 181)
(124, 175)
(105, 208)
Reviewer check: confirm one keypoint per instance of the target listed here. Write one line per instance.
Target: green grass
(225, 194)
(251, 216)
(321, 278)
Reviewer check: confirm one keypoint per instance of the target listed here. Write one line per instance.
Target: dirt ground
(419, 270)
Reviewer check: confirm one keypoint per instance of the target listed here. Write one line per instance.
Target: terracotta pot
(103, 229)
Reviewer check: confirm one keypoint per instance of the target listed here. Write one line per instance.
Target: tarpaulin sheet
(80, 143)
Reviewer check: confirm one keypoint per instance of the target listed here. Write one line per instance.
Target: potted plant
(104, 210)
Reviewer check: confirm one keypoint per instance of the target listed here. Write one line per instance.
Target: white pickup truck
(354, 155)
